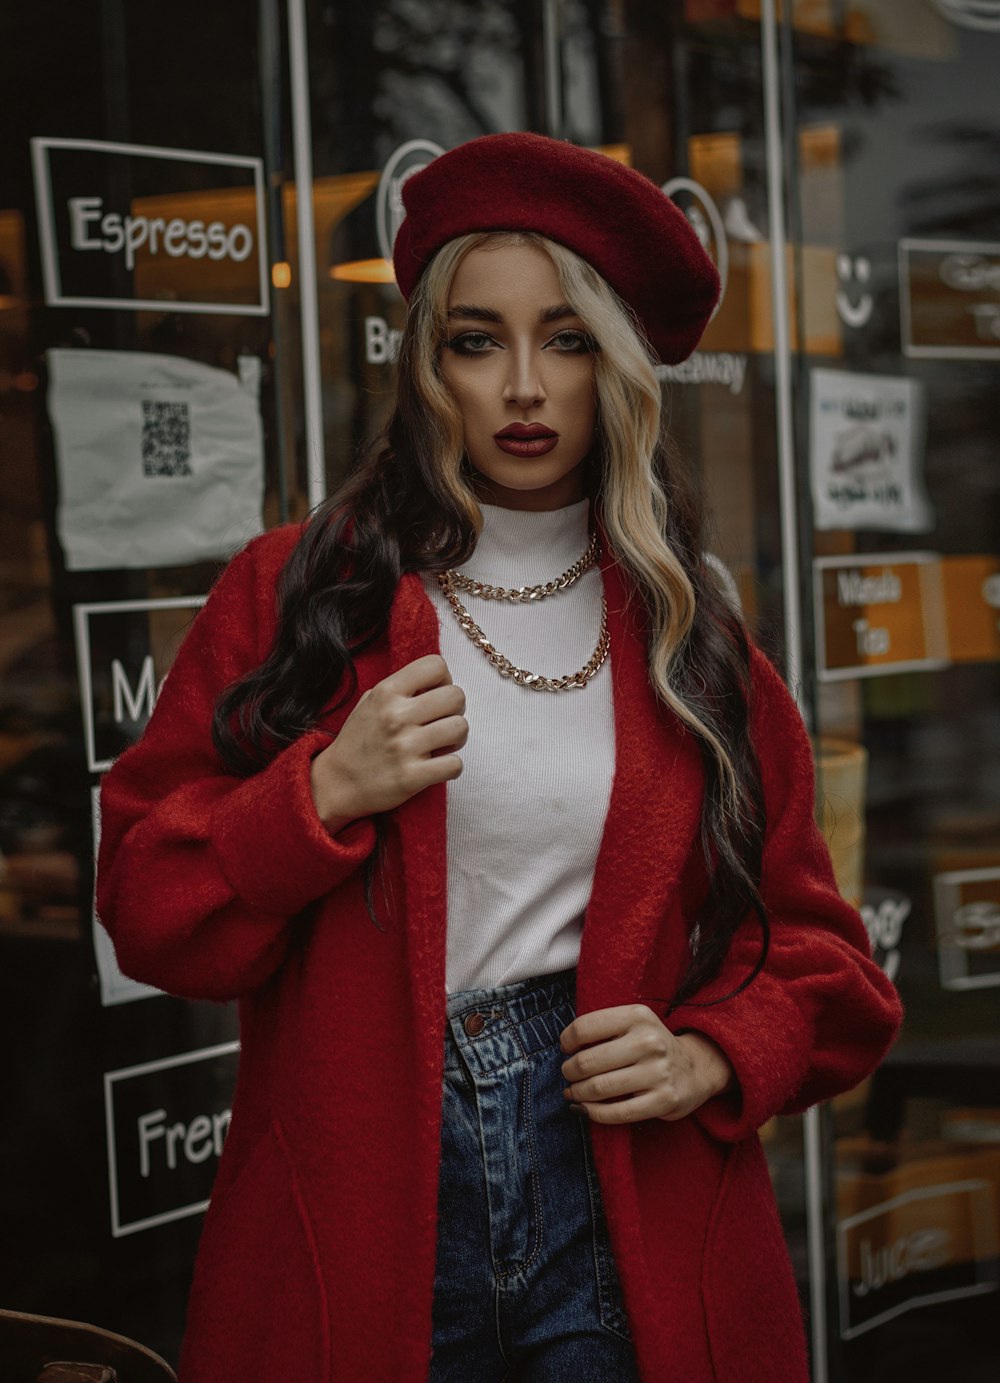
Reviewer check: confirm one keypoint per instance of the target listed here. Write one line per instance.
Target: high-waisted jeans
(526, 1287)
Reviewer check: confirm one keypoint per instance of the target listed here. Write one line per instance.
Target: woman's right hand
(400, 738)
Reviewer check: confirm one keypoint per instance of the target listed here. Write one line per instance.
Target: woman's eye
(470, 343)
(574, 342)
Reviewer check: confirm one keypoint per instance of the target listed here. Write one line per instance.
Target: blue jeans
(526, 1287)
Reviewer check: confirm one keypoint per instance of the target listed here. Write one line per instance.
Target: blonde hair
(634, 505)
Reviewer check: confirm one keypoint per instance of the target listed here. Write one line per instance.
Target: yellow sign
(972, 604)
(926, 1231)
(878, 614)
(950, 298)
(967, 908)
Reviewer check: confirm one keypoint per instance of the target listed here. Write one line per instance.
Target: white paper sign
(116, 988)
(160, 459)
(866, 452)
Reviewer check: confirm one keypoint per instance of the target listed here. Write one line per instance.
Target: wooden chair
(42, 1349)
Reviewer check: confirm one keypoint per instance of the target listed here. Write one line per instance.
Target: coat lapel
(422, 825)
(651, 827)
(652, 823)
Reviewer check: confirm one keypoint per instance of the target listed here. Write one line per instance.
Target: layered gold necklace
(452, 581)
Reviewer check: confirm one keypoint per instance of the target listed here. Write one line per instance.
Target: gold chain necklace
(449, 580)
(561, 583)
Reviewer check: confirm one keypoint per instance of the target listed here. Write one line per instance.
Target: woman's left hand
(625, 1065)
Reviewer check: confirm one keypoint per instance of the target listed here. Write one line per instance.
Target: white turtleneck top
(526, 816)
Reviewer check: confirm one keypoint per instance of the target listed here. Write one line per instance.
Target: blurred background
(198, 326)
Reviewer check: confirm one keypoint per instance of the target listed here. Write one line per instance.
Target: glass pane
(392, 85)
(693, 119)
(138, 404)
(895, 260)
(674, 89)
(897, 265)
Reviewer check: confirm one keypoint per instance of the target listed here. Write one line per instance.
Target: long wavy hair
(411, 505)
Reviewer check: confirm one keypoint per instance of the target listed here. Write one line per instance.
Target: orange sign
(971, 587)
(967, 906)
(950, 298)
(926, 1231)
(878, 614)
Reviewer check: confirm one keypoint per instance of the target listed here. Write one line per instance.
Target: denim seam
(610, 1310)
(499, 1326)
(533, 1177)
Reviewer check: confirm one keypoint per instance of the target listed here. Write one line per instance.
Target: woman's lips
(526, 439)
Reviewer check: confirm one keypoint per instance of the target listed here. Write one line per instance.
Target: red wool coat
(317, 1257)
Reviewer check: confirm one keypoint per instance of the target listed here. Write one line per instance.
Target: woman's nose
(523, 385)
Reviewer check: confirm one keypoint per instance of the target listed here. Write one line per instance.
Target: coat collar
(652, 822)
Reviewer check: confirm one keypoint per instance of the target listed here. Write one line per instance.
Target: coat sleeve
(199, 871)
(821, 1014)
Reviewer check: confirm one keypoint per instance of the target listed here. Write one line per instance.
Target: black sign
(166, 1123)
(930, 1236)
(126, 225)
(124, 649)
(967, 905)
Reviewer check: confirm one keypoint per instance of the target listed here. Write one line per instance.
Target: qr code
(166, 438)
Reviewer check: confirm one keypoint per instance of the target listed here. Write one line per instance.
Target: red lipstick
(526, 439)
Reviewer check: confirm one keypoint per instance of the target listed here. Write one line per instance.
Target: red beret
(615, 218)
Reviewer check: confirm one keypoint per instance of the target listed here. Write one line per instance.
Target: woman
(595, 913)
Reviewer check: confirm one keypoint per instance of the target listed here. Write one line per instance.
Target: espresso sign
(134, 226)
(878, 614)
(949, 299)
(166, 1123)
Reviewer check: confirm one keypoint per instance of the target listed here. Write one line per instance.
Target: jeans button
(474, 1024)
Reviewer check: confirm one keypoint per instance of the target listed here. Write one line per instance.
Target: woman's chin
(531, 492)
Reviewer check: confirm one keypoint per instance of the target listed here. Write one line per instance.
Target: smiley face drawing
(854, 307)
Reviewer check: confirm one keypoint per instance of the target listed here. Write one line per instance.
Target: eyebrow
(470, 312)
(476, 314)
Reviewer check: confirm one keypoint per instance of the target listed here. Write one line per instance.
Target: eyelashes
(569, 342)
(579, 343)
(470, 343)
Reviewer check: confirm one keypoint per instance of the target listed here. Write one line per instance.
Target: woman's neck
(526, 546)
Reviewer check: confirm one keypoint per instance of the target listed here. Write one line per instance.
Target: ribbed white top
(525, 817)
